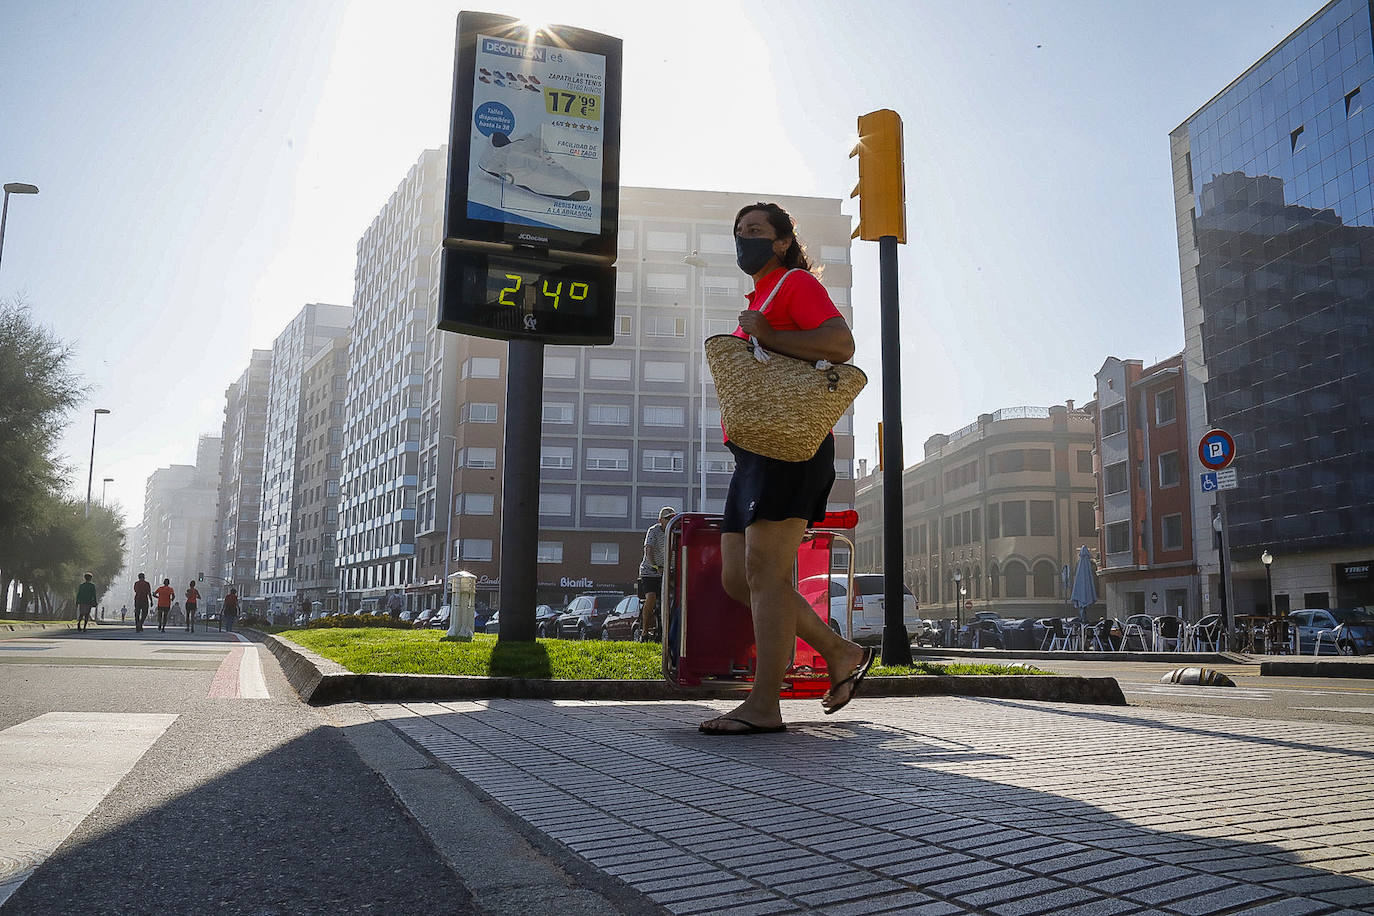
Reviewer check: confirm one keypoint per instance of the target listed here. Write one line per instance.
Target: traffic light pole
(896, 640)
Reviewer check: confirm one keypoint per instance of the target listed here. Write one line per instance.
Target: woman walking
(770, 503)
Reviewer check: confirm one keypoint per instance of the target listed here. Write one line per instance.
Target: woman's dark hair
(785, 227)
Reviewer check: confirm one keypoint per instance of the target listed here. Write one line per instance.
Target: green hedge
(348, 620)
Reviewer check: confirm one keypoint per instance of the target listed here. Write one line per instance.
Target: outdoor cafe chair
(1135, 628)
(1335, 635)
(1206, 634)
(1055, 636)
(1281, 636)
(1169, 633)
(1099, 635)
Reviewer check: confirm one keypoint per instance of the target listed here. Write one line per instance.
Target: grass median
(385, 651)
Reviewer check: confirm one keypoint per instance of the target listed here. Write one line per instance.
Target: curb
(27, 625)
(321, 682)
(1318, 668)
(1192, 658)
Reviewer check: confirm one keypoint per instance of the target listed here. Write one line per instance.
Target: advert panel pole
(520, 489)
(896, 641)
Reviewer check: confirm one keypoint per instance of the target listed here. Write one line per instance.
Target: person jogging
(143, 599)
(230, 613)
(165, 595)
(192, 599)
(85, 603)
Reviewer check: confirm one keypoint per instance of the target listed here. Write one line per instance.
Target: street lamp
(103, 484)
(1267, 559)
(696, 260)
(448, 529)
(958, 599)
(13, 187)
(90, 475)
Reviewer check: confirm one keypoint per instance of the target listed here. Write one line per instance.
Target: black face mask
(752, 254)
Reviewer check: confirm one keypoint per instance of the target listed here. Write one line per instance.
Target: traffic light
(882, 185)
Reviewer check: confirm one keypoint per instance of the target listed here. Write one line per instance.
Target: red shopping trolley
(708, 637)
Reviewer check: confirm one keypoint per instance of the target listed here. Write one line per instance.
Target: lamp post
(958, 600)
(1267, 559)
(90, 475)
(13, 187)
(103, 484)
(448, 529)
(696, 260)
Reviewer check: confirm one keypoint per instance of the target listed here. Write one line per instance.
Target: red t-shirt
(192, 596)
(165, 595)
(143, 589)
(801, 305)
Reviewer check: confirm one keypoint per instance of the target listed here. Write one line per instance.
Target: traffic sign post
(1216, 450)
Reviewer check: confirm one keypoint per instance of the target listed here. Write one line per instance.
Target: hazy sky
(206, 169)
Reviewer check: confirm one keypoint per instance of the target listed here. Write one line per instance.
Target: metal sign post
(1216, 450)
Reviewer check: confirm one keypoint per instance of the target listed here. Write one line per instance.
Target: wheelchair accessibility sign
(1219, 480)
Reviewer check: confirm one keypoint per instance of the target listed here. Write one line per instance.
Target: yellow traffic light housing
(882, 183)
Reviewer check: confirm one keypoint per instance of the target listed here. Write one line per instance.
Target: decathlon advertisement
(537, 135)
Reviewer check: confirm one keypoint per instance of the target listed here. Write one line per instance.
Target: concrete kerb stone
(321, 682)
(1319, 667)
(997, 655)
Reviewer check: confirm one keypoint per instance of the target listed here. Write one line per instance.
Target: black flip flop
(857, 676)
(750, 728)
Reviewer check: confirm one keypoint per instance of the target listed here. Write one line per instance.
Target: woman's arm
(831, 341)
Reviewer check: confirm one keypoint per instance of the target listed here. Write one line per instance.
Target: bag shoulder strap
(769, 301)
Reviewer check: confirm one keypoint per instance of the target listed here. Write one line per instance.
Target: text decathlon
(505, 49)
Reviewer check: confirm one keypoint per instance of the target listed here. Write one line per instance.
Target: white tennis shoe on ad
(526, 164)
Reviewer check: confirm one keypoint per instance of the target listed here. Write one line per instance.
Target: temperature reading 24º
(575, 104)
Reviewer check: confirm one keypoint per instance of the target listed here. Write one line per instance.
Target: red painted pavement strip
(226, 682)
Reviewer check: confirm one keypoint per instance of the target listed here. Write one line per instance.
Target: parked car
(440, 619)
(623, 621)
(546, 621)
(422, 620)
(493, 624)
(1355, 635)
(407, 617)
(865, 606)
(585, 615)
(928, 634)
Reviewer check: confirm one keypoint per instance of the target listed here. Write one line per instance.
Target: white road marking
(1337, 709)
(54, 770)
(252, 685)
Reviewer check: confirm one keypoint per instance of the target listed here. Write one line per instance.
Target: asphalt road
(147, 773)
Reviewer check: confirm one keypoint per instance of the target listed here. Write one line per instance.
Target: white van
(860, 617)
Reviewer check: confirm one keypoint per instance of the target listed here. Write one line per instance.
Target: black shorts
(650, 585)
(765, 489)
(140, 605)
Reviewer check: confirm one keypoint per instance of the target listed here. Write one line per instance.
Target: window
(560, 367)
(1014, 576)
(558, 413)
(1119, 537)
(664, 371)
(624, 281)
(664, 416)
(1297, 143)
(1014, 519)
(625, 238)
(605, 554)
(482, 367)
(1171, 532)
(608, 459)
(994, 521)
(835, 254)
(478, 413)
(1165, 408)
(606, 505)
(555, 504)
(665, 241)
(664, 326)
(477, 457)
(1043, 579)
(558, 457)
(720, 463)
(657, 459)
(623, 325)
(549, 552)
(1028, 459)
(719, 286)
(331, 488)
(1353, 103)
(1113, 420)
(1041, 518)
(844, 469)
(666, 283)
(1085, 461)
(475, 549)
(608, 415)
(838, 294)
(717, 243)
(1116, 481)
(1168, 469)
(1087, 520)
(714, 326)
(479, 503)
(613, 369)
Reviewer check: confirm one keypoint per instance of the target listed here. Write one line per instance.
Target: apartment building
(385, 397)
(179, 518)
(1144, 490)
(1003, 503)
(240, 473)
(318, 468)
(314, 327)
(628, 428)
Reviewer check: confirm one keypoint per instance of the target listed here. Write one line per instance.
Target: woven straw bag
(775, 405)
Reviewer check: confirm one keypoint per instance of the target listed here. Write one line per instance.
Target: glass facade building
(1274, 189)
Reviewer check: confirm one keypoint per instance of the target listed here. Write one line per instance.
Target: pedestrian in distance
(85, 603)
(651, 573)
(165, 595)
(395, 604)
(229, 614)
(192, 599)
(143, 599)
(123, 612)
(770, 503)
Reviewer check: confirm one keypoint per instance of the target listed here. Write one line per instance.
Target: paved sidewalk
(933, 806)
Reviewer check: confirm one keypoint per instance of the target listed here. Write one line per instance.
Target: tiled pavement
(934, 806)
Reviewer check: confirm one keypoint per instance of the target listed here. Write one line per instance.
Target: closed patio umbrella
(1084, 586)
